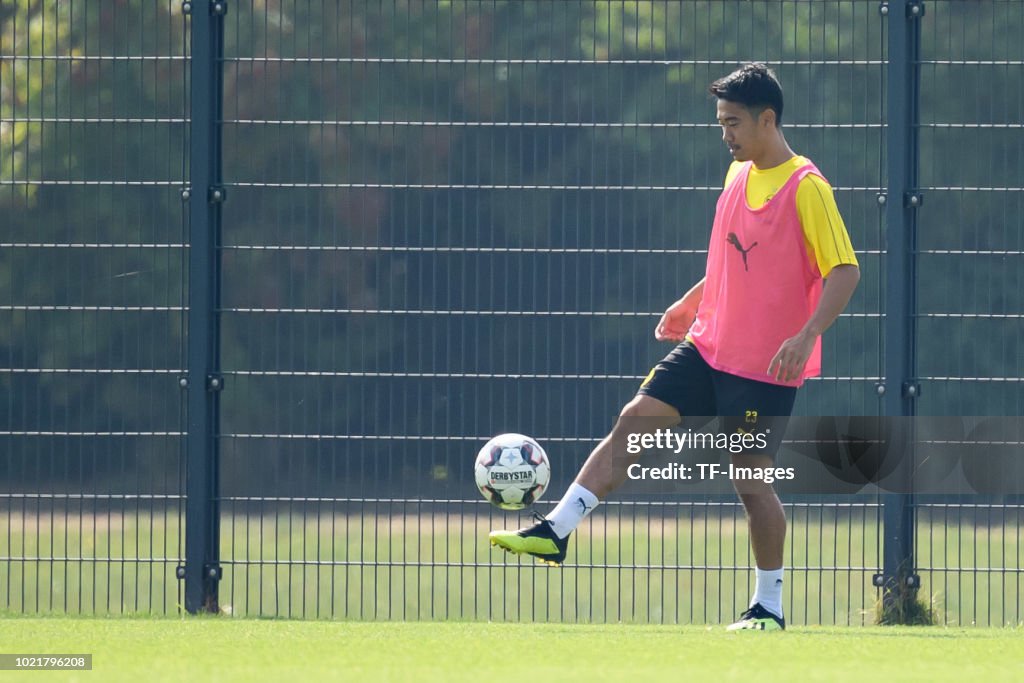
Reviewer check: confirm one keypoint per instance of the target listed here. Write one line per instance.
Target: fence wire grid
(444, 221)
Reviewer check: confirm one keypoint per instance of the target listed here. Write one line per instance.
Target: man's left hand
(788, 363)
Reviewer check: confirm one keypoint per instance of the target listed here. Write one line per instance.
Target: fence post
(902, 199)
(203, 382)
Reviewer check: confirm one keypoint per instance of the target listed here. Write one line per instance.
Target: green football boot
(539, 540)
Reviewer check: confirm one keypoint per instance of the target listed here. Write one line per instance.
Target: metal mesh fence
(448, 220)
(969, 290)
(492, 256)
(92, 295)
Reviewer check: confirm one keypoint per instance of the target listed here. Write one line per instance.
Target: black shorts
(699, 392)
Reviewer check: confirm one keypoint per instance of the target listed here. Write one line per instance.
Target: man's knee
(648, 407)
(751, 485)
(643, 415)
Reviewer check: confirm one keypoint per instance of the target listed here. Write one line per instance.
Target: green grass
(247, 650)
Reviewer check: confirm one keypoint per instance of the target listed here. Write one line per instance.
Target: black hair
(754, 86)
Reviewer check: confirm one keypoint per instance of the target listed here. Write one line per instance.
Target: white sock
(576, 504)
(769, 590)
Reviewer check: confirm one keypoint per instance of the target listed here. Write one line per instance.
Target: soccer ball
(512, 471)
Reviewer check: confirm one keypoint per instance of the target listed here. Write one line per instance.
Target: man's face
(741, 132)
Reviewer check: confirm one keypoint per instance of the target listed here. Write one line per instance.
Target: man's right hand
(676, 321)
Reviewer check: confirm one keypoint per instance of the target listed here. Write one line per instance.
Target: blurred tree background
(452, 219)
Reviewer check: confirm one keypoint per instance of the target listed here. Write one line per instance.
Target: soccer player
(780, 270)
